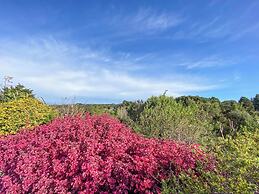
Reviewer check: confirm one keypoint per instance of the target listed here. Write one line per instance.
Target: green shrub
(23, 112)
(239, 161)
(246, 104)
(78, 108)
(206, 183)
(166, 118)
(129, 113)
(8, 94)
(227, 117)
(237, 168)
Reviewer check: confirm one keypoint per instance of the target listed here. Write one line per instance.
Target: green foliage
(234, 118)
(206, 183)
(74, 109)
(229, 105)
(23, 113)
(246, 104)
(211, 106)
(237, 168)
(239, 161)
(99, 109)
(188, 100)
(129, 113)
(242, 119)
(206, 115)
(166, 118)
(8, 94)
(256, 102)
(227, 117)
(134, 109)
(235, 143)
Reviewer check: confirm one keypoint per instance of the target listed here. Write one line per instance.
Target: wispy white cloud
(58, 69)
(207, 62)
(205, 30)
(146, 21)
(245, 32)
(218, 27)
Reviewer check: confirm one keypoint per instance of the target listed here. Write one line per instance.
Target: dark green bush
(246, 104)
(129, 113)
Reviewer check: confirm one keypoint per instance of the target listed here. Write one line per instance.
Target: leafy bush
(69, 109)
(256, 102)
(246, 104)
(8, 94)
(242, 119)
(234, 118)
(206, 183)
(91, 154)
(166, 118)
(73, 109)
(23, 112)
(134, 109)
(227, 117)
(129, 113)
(236, 172)
(239, 161)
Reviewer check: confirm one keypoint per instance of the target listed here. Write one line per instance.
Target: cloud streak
(207, 62)
(220, 26)
(146, 21)
(48, 67)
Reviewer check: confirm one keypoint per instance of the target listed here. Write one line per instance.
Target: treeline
(168, 117)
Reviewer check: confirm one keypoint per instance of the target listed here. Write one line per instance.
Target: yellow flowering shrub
(23, 113)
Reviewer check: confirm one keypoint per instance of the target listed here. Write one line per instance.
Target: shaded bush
(95, 154)
(129, 113)
(256, 102)
(246, 104)
(23, 112)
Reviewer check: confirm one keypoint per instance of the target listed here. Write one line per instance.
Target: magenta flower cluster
(90, 154)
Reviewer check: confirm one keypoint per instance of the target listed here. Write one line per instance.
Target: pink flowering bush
(90, 154)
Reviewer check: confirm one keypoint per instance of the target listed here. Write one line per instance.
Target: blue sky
(108, 51)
